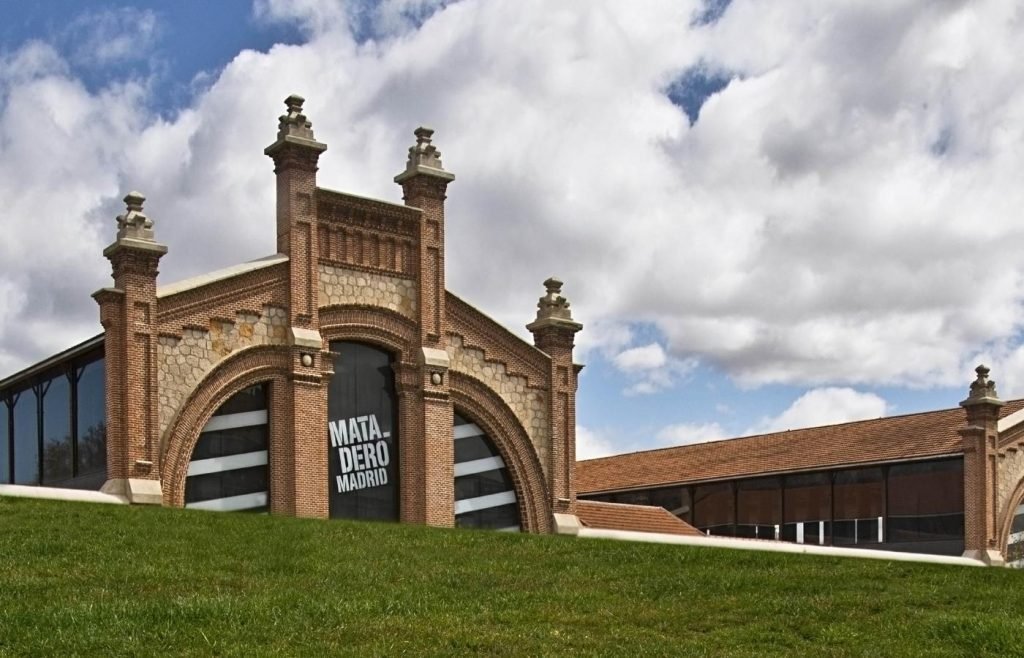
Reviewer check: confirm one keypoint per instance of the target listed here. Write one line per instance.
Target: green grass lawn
(108, 580)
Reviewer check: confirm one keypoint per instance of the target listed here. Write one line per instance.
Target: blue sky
(767, 215)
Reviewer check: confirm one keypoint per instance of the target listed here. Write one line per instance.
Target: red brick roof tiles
(894, 438)
(638, 518)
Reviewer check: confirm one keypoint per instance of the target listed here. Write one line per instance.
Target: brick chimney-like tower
(980, 445)
(553, 332)
(128, 315)
(302, 470)
(429, 467)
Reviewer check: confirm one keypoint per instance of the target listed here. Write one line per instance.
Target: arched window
(484, 494)
(1015, 542)
(362, 434)
(228, 471)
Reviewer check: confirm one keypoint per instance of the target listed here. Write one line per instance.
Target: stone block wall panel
(347, 287)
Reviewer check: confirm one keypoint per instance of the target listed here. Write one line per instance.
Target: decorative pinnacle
(424, 153)
(553, 308)
(134, 224)
(424, 159)
(983, 389)
(294, 122)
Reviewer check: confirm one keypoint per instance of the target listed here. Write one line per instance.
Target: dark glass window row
(224, 484)
(235, 441)
(482, 484)
(919, 503)
(505, 516)
(53, 431)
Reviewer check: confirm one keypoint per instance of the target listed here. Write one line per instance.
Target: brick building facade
(943, 482)
(363, 277)
(339, 377)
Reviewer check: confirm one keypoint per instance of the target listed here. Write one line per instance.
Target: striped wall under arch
(1015, 542)
(484, 494)
(228, 471)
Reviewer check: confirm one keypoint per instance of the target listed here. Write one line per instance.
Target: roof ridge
(782, 432)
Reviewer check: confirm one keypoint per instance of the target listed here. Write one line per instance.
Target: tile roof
(895, 438)
(638, 518)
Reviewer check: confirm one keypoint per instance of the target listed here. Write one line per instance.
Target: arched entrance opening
(228, 469)
(485, 496)
(362, 442)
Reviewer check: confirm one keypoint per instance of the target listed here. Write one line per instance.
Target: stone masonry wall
(1010, 472)
(527, 403)
(344, 286)
(183, 361)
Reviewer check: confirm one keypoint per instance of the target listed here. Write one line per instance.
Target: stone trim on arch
(371, 324)
(1010, 494)
(479, 403)
(245, 368)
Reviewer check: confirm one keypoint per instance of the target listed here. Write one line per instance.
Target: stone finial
(983, 389)
(553, 308)
(424, 158)
(293, 122)
(134, 224)
(423, 153)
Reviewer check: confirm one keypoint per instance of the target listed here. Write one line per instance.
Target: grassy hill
(106, 580)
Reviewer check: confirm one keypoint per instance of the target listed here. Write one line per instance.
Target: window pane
(808, 497)
(1015, 542)
(57, 455)
(858, 496)
(26, 439)
(485, 496)
(674, 499)
(5, 456)
(926, 501)
(92, 421)
(759, 502)
(714, 508)
(229, 466)
(633, 497)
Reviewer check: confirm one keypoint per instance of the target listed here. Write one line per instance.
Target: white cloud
(687, 433)
(816, 407)
(647, 357)
(824, 406)
(845, 211)
(650, 369)
(106, 36)
(591, 444)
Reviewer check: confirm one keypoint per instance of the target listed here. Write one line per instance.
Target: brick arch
(244, 368)
(1006, 514)
(475, 400)
(370, 324)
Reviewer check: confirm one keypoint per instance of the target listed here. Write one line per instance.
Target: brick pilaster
(296, 154)
(980, 445)
(554, 332)
(128, 314)
(424, 185)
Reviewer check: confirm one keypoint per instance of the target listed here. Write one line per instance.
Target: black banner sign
(362, 446)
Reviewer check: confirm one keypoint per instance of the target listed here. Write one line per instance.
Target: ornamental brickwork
(350, 269)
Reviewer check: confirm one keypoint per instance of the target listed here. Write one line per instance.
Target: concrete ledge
(434, 358)
(567, 524)
(309, 338)
(989, 557)
(53, 493)
(777, 547)
(136, 490)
